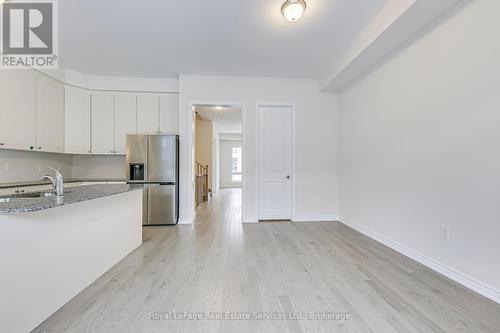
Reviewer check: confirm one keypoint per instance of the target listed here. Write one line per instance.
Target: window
(237, 165)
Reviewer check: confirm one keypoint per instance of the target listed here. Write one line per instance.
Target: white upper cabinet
(169, 114)
(50, 115)
(125, 120)
(40, 113)
(113, 117)
(18, 109)
(103, 139)
(147, 114)
(77, 121)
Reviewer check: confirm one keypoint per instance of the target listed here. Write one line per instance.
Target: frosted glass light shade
(293, 10)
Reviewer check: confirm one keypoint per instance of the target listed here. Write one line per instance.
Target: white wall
(316, 139)
(25, 166)
(226, 163)
(420, 143)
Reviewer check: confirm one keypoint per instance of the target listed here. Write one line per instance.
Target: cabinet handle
(39, 148)
(16, 191)
(2, 144)
(22, 191)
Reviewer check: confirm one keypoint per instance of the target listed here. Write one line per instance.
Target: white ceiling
(227, 119)
(146, 38)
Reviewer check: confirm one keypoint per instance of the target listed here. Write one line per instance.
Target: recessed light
(293, 10)
(218, 108)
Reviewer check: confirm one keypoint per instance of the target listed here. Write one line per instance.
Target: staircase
(201, 183)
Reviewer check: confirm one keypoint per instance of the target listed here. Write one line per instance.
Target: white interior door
(275, 162)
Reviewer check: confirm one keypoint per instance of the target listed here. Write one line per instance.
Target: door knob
(287, 177)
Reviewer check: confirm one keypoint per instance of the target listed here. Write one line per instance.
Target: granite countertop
(20, 204)
(75, 180)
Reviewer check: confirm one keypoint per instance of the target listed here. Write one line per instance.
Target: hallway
(324, 270)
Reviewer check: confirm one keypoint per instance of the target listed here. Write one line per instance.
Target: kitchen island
(53, 247)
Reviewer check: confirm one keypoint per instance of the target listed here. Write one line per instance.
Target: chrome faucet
(57, 181)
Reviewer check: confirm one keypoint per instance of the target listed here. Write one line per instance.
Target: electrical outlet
(445, 233)
(40, 169)
(9, 167)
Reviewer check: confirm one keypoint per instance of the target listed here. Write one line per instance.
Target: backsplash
(26, 166)
(85, 166)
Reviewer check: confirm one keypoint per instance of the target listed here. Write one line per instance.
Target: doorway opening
(218, 152)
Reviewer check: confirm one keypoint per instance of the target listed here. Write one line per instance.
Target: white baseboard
(185, 221)
(475, 285)
(316, 218)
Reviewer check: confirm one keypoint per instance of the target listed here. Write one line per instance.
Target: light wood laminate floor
(219, 264)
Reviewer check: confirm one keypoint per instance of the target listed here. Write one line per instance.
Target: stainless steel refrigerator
(153, 160)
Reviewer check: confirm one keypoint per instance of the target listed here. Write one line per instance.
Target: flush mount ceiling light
(293, 10)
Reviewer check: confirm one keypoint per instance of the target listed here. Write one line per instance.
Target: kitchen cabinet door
(169, 114)
(103, 138)
(77, 121)
(147, 114)
(18, 109)
(50, 115)
(125, 120)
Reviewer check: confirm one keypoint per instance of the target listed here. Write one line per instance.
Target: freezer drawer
(161, 205)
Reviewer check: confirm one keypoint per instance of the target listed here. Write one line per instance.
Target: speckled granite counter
(66, 181)
(23, 204)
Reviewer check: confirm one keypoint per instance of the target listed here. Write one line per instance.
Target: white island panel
(49, 256)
